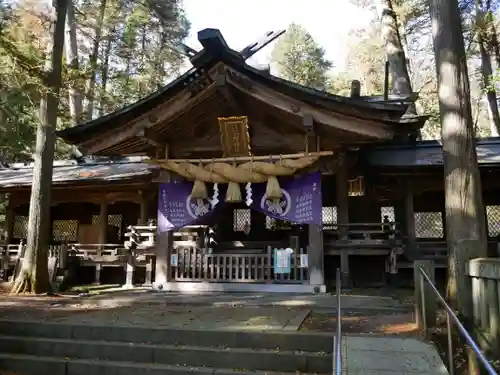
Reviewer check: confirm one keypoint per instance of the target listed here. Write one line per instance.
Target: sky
(242, 22)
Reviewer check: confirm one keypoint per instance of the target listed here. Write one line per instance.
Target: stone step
(19, 364)
(196, 356)
(284, 341)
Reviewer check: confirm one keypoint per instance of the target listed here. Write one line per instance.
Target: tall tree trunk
(34, 276)
(160, 65)
(75, 96)
(465, 218)
(93, 61)
(142, 69)
(104, 77)
(493, 39)
(401, 83)
(487, 69)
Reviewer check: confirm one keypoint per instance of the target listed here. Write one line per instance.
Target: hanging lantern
(357, 187)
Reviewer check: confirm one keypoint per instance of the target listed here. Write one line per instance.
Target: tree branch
(25, 62)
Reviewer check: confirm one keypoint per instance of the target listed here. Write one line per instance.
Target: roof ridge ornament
(213, 42)
(263, 41)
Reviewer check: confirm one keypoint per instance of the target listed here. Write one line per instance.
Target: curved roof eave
(216, 50)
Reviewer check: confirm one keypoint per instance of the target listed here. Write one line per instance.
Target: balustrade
(485, 279)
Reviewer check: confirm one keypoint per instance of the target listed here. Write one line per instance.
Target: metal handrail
(450, 315)
(337, 343)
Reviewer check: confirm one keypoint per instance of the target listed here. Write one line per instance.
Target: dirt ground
(365, 322)
(461, 351)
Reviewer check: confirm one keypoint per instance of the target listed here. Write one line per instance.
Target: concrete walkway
(315, 302)
(371, 355)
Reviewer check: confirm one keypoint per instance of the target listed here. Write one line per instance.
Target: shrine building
(231, 179)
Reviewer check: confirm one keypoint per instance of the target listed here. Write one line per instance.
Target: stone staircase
(34, 348)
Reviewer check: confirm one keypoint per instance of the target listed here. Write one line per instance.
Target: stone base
(196, 287)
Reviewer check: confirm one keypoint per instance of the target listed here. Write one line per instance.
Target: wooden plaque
(235, 138)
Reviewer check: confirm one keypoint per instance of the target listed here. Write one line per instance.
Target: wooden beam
(185, 50)
(262, 141)
(149, 137)
(78, 194)
(184, 124)
(252, 158)
(181, 103)
(279, 120)
(224, 89)
(255, 47)
(294, 141)
(297, 108)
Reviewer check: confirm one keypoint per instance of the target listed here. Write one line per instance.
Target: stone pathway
(370, 355)
(148, 310)
(230, 311)
(312, 301)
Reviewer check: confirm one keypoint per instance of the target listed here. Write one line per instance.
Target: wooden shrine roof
(88, 172)
(222, 84)
(103, 170)
(429, 153)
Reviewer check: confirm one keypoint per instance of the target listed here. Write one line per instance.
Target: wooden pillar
(103, 233)
(144, 212)
(315, 254)
(425, 310)
(164, 245)
(103, 222)
(411, 250)
(443, 222)
(10, 217)
(342, 203)
(400, 216)
(51, 224)
(130, 268)
(315, 250)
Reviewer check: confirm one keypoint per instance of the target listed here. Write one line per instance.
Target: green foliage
(19, 90)
(366, 60)
(298, 58)
(135, 57)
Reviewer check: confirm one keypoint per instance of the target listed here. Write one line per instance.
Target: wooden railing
(364, 231)
(11, 255)
(114, 255)
(193, 264)
(362, 238)
(140, 236)
(89, 254)
(144, 237)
